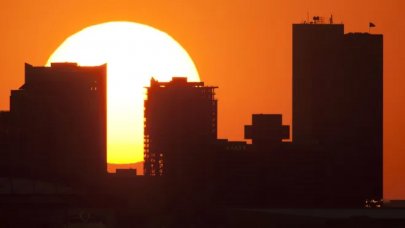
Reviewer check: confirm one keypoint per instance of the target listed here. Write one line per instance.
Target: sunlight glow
(133, 53)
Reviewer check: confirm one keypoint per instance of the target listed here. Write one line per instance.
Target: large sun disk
(133, 53)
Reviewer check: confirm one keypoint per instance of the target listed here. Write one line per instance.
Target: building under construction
(180, 123)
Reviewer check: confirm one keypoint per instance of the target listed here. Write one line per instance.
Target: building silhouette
(266, 130)
(53, 146)
(337, 106)
(59, 123)
(335, 157)
(243, 172)
(180, 138)
(317, 65)
(180, 126)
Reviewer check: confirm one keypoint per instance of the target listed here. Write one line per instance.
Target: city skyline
(53, 143)
(277, 83)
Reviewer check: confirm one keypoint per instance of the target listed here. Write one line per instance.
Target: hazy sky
(244, 47)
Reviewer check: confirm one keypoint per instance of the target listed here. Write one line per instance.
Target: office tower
(337, 105)
(362, 101)
(317, 65)
(180, 125)
(59, 119)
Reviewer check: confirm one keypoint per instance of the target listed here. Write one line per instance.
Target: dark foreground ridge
(53, 149)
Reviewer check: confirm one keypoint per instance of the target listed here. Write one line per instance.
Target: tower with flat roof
(59, 122)
(337, 105)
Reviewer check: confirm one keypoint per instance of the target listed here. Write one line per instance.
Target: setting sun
(133, 53)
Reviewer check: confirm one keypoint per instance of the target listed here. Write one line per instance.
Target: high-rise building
(59, 122)
(317, 65)
(180, 123)
(337, 105)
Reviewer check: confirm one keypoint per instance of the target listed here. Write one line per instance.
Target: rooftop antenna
(318, 20)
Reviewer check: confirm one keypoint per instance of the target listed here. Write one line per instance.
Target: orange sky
(244, 47)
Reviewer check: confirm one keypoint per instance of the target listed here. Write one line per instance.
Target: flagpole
(370, 25)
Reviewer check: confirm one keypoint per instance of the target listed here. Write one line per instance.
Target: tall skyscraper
(338, 104)
(317, 66)
(180, 122)
(59, 122)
